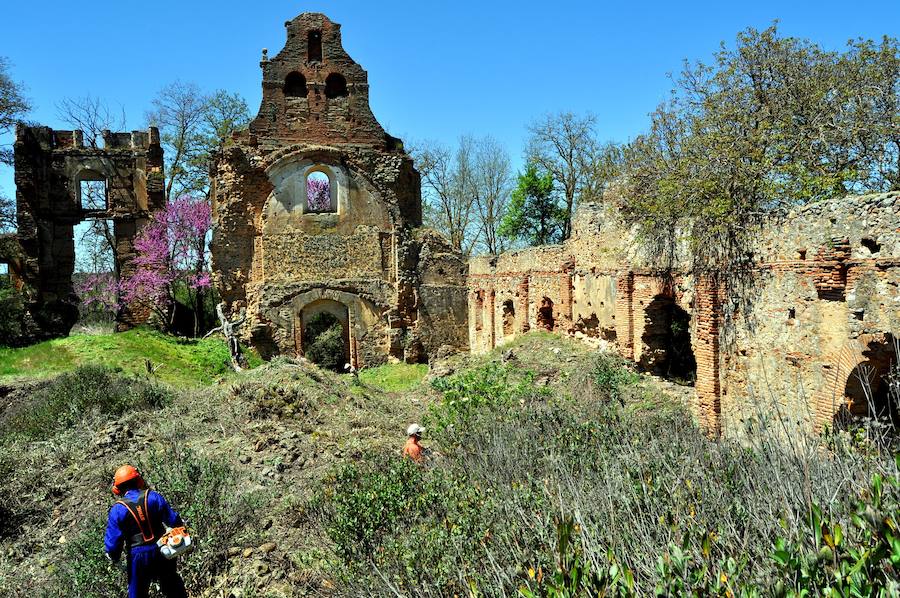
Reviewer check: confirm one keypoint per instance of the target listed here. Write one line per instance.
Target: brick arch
(827, 400)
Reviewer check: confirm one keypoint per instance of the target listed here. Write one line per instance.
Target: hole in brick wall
(319, 192)
(858, 314)
(314, 45)
(335, 86)
(295, 85)
(589, 326)
(801, 254)
(545, 318)
(871, 245)
(479, 310)
(792, 313)
(509, 318)
(666, 341)
(872, 389)
(92, 193)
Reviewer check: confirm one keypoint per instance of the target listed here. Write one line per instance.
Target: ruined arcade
(354, 252)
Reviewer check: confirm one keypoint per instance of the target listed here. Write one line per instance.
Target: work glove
(118, 563)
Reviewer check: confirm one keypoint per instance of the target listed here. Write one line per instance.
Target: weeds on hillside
(549, 497)
(90, 389)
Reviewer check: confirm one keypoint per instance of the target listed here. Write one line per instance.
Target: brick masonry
(824, 298)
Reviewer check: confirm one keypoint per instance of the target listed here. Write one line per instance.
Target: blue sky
(436, 69)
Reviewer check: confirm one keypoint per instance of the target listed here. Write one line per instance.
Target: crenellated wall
(821, 298)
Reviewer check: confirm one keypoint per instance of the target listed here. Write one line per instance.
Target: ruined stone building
(818, 323)
(61, 182)
(318, 210)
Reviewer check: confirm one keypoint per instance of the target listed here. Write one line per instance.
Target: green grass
(394, 377)
(175, 360)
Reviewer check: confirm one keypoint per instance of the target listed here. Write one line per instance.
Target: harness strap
(141, 514)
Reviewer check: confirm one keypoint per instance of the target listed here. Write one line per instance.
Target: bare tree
(447, 186)
(92, 116)
(178, 111)
(492, 182)
(13, 106)
(564, 145)
(193, 126)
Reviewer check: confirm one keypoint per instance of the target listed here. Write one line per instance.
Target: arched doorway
(509, 318)
(326, 334)
(545, 320)
(666, 341)
(872, 389)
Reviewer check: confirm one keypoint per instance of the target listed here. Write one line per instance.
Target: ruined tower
(54, 170)
(318, 211)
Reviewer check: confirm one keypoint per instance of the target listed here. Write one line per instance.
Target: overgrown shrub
(325, 345)
(12, 311)
(70, 397)
(652, 504)
(203, 490)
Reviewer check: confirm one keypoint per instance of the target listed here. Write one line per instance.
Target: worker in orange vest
(412, 448)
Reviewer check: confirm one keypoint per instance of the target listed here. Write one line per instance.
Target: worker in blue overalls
(137, 521)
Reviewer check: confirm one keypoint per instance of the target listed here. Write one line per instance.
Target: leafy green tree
(769, 124)
(535, 215)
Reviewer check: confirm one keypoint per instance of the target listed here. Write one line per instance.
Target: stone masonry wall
(402, 290)
(49, 168)
(823, 299)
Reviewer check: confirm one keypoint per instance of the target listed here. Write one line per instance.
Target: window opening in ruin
(319, 194)
(871, 245)
(545, 319)
(479, 310)
(509, 318)
(314, 46)
(335, 86)
(326, 337)
(872, 390)
(5, 279)
(94, 276)
(295, 85)
(667, 341)
(92, 194)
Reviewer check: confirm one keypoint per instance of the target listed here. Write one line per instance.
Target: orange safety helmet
(126, 473)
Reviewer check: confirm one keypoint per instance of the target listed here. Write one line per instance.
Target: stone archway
(325, 333)
(871, 388)
(666, 341)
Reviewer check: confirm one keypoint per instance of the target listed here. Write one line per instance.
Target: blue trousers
(145, 565)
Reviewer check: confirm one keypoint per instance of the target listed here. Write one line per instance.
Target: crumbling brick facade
(50, 167)
(824, 305)
(397, 289)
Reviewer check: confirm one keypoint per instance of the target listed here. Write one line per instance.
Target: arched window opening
(319, 194)
(314, 46)
(295, 85)
(335, 86)
(326, 334)
(872, 389)
(545, 318)
(667, 341)
(509, 318)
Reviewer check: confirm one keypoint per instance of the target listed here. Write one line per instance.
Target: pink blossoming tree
(170, 261)
(318, 193)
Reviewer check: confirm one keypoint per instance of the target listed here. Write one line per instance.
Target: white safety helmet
(414, 430)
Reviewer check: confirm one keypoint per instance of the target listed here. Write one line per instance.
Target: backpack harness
(141, 515)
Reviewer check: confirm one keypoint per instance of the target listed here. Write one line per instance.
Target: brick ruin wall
(823, 300)
(398, 289)
(50, 166)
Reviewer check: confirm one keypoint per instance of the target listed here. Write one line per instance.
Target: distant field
(174, 360)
